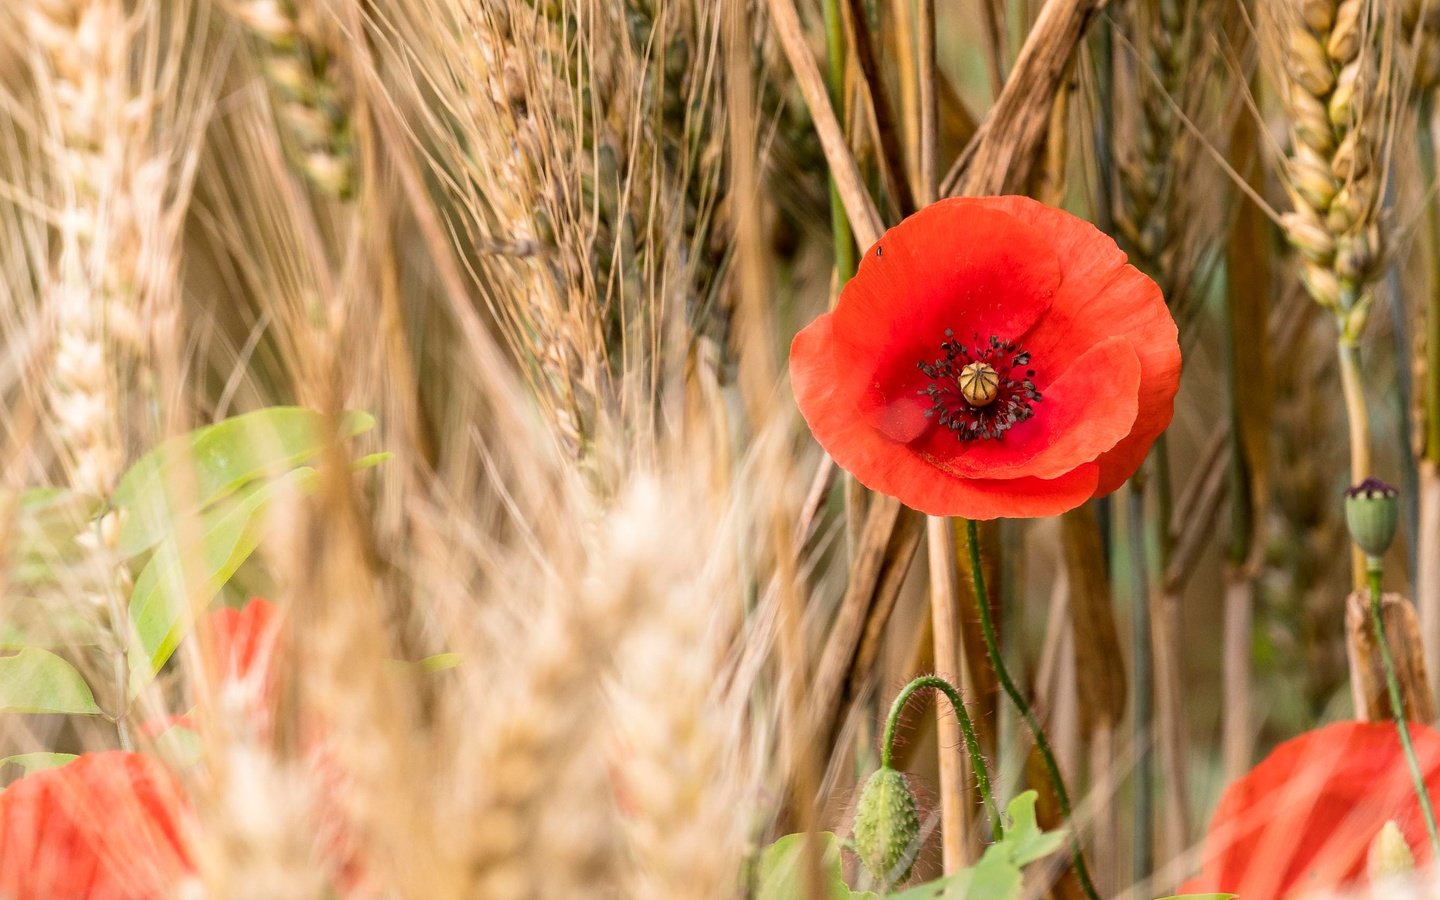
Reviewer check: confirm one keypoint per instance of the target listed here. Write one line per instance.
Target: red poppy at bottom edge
(991, 357)
(105, 826)
(1302, 821)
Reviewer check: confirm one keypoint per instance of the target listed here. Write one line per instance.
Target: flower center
(981, 390)
(979, 383)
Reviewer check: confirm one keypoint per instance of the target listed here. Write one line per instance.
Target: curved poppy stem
(997, 661)
(967, 728)
(1397, 705)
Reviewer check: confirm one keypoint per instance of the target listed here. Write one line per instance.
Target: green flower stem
(972, 745)
(1397, 705)
(997, 661)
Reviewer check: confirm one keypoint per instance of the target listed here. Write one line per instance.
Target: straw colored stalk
(680, 769)
(298, 58)
(99, 94)
(1333, 82)
(1367, 677)
(592, 156)
(536, 759)
(1424, 34)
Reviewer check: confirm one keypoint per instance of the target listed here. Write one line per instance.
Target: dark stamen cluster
(1012, 405)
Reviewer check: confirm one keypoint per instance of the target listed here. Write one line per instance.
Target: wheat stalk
(299, 60)
(1336, 74)
(81, 62)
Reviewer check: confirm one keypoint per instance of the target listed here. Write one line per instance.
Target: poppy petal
(958, 264)
(105, 825)
(1102, 296)
(1303, 819)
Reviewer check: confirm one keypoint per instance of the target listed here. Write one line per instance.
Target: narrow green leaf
(782, 869)
(229, 533)
(222, 458)
(38, 681)
(440, 661)
(34, 762)
(370, 460)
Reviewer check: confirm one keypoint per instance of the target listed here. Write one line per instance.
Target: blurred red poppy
(1304, 818)
(240, 647)
(106, 826)
(992, 357)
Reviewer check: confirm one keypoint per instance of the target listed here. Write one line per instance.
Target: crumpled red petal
(1101, 296)
(106, 826)
(1302, 821)
(956, 264)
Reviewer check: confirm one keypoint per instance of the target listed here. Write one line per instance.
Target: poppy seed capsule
(1372, 513)
(887, 827)
(979, 383)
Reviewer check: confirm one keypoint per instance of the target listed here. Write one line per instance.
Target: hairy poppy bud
(1372, 512)
(887, 827)
(1389, 854)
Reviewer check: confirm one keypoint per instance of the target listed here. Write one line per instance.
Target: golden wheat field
(774, 449)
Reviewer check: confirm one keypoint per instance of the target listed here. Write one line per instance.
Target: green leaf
(1026, 841)
(216, 461)
(998, 875)
(782, 868)
(440, 661)
(180, 744)
(34, 762)
(951, 886)
(229, 533)
(38, 681)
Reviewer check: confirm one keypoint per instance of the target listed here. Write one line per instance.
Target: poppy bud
(1389, 854)
(1372, 512)
(887, 827)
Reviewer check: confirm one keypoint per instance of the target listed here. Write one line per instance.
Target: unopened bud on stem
(887, 827)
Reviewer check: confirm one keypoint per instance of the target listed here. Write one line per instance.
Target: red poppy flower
(992, 357)
(106, 826)
(240, 647)
(1304, 818)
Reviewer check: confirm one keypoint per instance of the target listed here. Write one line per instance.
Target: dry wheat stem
(1334, 84)
(315, 105)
